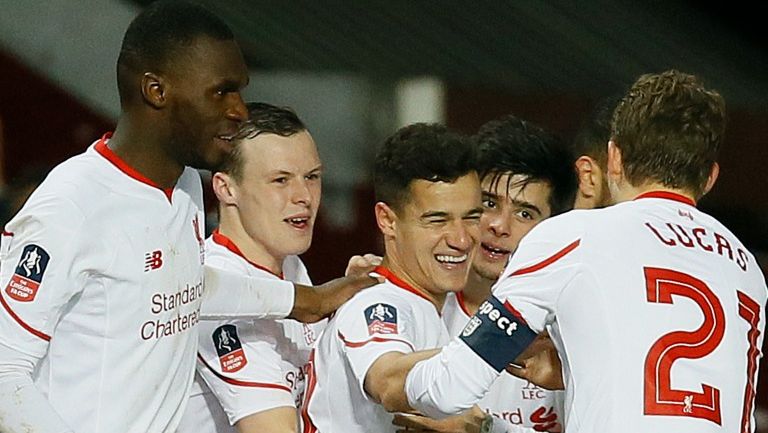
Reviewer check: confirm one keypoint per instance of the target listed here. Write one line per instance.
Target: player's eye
(525, 214)
(489, 203)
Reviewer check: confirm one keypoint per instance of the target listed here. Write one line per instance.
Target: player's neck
(437, 298)
(627, 192)
(142, 150)
(252, 251)
(476, 291)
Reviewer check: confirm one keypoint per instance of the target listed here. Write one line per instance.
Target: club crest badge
(29, 273)
(228, 347)
(381, 319)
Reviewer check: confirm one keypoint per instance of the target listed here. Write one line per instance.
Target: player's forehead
(452, 198)
(512, 186)
(211, 59)
(268, 152)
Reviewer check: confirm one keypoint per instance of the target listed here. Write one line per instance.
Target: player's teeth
(451, 259)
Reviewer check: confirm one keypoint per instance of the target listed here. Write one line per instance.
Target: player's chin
(452, 279)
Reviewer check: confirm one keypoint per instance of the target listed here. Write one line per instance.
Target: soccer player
(428, 210)
(251, 371)
(102, 269)
(667, 300)
(591, 151)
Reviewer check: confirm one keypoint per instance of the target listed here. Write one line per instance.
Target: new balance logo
(153, 260)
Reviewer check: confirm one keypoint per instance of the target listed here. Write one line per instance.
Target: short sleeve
(245, 371)
(370, 327)
(544, 264)
(40, 272)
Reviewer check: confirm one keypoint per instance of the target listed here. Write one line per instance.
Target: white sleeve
(23, 406)
(41, 254)
(450, 382)
(230, 295)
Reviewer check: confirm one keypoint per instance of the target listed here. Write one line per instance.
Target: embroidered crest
(29, 273)
(381, 319)
(228, 347)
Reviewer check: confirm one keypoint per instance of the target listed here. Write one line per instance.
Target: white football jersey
(102, 279)
(247, 366)
(515, 401)
(388, 317)
(658, 312)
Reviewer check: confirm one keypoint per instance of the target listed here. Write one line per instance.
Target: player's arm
(38, 255)
(23, 406)
(540, 364)
(385, 380)
(461, 374)
(277, 420)
(230, 295)
(545, 264)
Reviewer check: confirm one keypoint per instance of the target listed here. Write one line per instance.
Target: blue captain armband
(496, 335)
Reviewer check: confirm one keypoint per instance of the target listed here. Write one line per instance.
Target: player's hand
(312, 304)
(540, 364)
(362, 265)
(468, 422)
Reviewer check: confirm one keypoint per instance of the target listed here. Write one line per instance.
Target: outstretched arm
(231, 295)
(458, 377)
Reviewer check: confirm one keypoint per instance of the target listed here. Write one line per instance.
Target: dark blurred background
(355, 71)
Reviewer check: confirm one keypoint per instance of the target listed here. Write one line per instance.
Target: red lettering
(723, 243)
(698, 232)
(688, 242)
(670, 242)
(741, 259)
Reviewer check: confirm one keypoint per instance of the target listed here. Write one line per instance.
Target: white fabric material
(111, 327)
(515, 403)
(605, 302)
(228, 295)
(268, 373)
(350, 345)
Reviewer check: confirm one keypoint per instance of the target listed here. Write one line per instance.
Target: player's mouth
(493, 252)
(299, 222)
(451, 261)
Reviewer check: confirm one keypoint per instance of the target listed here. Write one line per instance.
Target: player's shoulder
(220, 257)
(384, 294)
(565, 227)
(295, 270)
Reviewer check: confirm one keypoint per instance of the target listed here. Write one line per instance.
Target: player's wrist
(491, 424)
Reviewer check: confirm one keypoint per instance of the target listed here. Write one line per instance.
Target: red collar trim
(103, 150)
(462, 304)
(227, 243)
(668, 196)
(386, 273)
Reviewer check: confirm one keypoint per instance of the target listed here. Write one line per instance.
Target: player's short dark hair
(510, 145)
(420, 151)
(263, 118)
(669, 128)
(160, 32)
(593, 135)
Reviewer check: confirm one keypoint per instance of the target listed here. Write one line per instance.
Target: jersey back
(657, 310)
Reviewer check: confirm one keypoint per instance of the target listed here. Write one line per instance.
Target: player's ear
(153, 88)
(225, 188)
(615, 165)
(586, 175)
(386, 218)
(712, 178)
